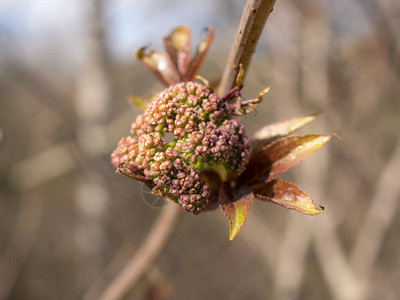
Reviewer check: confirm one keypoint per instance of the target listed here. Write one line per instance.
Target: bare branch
(20, 245)
(333, 261)
(157, 239)
(52, 163)
(378, 219)
(254, 17)
(256, 227)
(121, 256)
(290, 265)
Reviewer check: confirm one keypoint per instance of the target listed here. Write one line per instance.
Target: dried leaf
(279, 129)
(202, 50)
(235, 207)
(280, 156)
(178, 47)
(160, 65)
(287, 194)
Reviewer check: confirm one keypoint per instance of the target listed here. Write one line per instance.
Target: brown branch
(157, 239)
(53, 162)
(339, 275)
(254, 17)
(379, 217)
(121, 256)
(20, 245)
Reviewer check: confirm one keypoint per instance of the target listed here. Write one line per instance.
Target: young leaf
(200, 55)
(160, 65)
(280, 129)
(280, 156)
(235, 207)
(286, 194)
(178, 47)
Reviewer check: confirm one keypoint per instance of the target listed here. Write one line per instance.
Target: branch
(51, 163)
(23, 237)
(338, 274)
(157, 239)
(121, 256)
(290, 264)
(378, 219)
(254, 17)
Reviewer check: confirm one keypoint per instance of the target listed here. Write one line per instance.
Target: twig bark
(157, 239)
(254, 17)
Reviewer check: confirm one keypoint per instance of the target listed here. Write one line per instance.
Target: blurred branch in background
(314, 88)
(27, 82)
(160, 234)
(383, 16)
(29, 216)
(52, 163)
(19, 246)
(92, 105)
(57, 160)
(256, 227)
(378, 218)
(33, 85)
(312, 62)
(290, 266)
(119, 261)
(337, 271)
(321, 55)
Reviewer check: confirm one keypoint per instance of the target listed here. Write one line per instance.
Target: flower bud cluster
(204, 136)
(163, 165)
(225, 145)
(126, 149)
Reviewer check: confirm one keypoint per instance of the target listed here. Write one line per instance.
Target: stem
(254, 17)
(161, 232)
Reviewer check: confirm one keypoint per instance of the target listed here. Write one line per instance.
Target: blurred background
(68, 223)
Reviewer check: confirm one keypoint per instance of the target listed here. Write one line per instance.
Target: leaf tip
(319, 208)
(233, 233)
(140, 53)
(322, 140)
